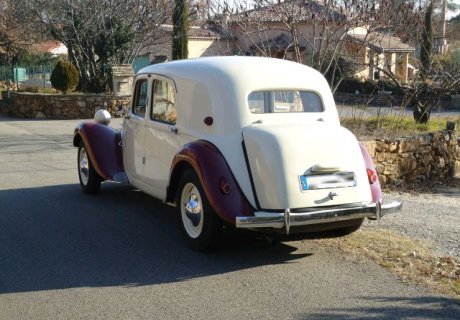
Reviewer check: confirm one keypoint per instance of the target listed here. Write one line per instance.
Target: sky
(451, 14)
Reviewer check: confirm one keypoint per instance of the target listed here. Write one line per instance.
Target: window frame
(269, 100)
(138, 84)
(152, 102)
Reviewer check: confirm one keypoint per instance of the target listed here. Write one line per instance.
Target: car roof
(220, 86)
(272, 72)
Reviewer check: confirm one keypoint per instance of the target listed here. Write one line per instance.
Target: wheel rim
(83, 166)
(192, 210)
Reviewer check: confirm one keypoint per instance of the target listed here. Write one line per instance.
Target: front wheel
(90, 180)
(200, 224)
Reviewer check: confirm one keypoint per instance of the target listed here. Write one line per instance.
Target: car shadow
(56, 237)
(431, 307)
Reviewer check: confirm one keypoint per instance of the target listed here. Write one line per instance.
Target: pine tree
(180, 20)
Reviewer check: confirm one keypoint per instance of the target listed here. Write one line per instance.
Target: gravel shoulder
(433, 217)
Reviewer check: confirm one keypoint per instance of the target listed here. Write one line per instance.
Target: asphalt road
(119, 255)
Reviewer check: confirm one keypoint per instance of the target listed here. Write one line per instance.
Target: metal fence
(31, 76)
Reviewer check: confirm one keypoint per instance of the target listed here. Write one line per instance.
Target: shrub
(64, 76)
(352, 85)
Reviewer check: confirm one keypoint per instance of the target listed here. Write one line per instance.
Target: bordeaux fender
(376, 189)
(103, 146)
(221, 188)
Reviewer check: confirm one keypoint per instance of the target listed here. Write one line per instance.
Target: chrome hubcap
(192, 210)
(83, 166)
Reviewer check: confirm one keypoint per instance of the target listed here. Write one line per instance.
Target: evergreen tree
(180, 21)
(427, 43)
(64, 76)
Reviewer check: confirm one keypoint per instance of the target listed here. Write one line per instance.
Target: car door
(134, 131)
(162, 138)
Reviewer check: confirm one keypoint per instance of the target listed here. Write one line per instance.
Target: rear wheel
(200, 224)
(90, 180)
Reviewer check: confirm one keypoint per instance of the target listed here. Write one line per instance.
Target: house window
(164, 102)
(140, 98)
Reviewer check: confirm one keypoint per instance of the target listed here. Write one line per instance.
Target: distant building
(266, 31)
(56, 48)
(377, 53)
(202, 42)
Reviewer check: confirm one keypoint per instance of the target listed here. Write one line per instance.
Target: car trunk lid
(305, 165)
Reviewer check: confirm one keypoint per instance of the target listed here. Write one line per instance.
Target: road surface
(119, 255)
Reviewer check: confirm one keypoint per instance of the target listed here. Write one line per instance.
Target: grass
(412, 260)
(391, 125)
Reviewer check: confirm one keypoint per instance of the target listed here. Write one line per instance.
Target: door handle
(174, 130)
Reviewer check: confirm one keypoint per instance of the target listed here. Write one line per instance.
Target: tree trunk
(421, 113)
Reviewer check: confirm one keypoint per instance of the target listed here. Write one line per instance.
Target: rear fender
(215, 176)
(376, 189)
(103, 146)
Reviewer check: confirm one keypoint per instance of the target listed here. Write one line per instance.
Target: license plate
(327, 181)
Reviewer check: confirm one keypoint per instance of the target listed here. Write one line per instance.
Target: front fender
(213, 171)
(376, 189)
(103, 146)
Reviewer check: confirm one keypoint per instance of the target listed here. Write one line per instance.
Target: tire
(200, 224)
(90, 180)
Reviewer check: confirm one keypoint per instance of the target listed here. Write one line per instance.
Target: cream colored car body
(219, 88)
(290, 167)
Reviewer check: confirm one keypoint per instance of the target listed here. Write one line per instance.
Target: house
(202, 42)
(380, 55)
(54, 48)
(298, 30)
(282, 30)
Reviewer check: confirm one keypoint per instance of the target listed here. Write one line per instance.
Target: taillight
(372, 176)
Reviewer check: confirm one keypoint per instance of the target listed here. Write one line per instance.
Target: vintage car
(250, 142)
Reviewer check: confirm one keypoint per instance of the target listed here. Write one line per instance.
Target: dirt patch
(412, 260)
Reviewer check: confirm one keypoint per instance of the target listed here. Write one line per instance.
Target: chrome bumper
(287, 219)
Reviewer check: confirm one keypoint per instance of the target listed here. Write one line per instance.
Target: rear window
(284, 101)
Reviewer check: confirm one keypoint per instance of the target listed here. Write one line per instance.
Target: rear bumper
(287, 219)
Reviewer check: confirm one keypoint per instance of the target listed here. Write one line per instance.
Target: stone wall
(59, 106)
(430, 156)
(388, 100)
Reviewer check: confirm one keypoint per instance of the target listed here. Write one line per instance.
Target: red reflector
(372, 175)
(208, 121)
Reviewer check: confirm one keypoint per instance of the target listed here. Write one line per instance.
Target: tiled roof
(300, 10)
(381, 42)
(47, 46)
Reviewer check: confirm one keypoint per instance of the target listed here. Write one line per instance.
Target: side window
(140, 98)
(163, 102)
(311, 102)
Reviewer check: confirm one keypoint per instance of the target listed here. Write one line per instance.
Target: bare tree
(319, 33)
(15, 34)
(99, 33)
